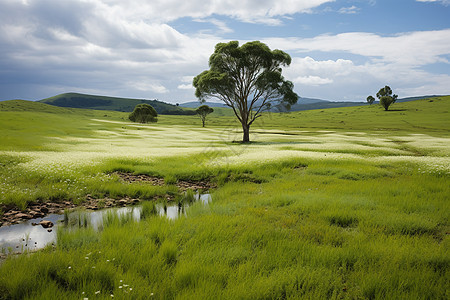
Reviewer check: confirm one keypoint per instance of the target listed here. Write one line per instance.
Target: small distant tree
(386, 97)
(203, 111)
(370, 100)
(144, 113)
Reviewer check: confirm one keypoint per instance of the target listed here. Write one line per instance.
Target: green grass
(428, 115)
(313, 208)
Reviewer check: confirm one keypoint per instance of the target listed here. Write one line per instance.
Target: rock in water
(46, 224)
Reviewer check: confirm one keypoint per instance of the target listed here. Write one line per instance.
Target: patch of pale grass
(110, 121)
(428, 164)
(151, 142)
(72, 153)
(256, 155)
(437, 145)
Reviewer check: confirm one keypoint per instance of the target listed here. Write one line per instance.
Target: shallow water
(24, 236)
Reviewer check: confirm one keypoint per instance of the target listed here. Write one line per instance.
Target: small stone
(36, 214)
(23, 216)
(46, 224)
(11, 213)
(44, 209)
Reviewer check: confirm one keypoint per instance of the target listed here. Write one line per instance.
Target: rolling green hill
(76, 100)
(425, 115)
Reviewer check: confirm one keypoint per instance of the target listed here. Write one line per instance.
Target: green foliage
(168, 252)
(202, 111)
(248, 79)
(386, 91)
(386, 101)
(386, 97)
(370, 99)
(144, 113)
(148, 209)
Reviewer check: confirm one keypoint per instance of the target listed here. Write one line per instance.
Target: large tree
(248, 79)
(386, 97)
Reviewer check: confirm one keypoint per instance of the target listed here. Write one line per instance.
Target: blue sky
(341, 50)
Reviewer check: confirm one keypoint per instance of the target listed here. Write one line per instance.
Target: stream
(28, 237)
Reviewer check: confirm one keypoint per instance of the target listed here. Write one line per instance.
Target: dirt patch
(182, 185)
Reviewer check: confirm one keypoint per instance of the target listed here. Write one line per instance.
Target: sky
(342, 50)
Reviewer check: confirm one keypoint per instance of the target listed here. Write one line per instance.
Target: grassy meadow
(346, 203)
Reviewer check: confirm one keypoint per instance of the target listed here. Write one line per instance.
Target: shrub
(144, 113)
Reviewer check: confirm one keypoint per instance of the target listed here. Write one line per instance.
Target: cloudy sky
(340, 49)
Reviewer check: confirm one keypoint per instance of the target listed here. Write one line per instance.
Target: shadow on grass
(273, 143)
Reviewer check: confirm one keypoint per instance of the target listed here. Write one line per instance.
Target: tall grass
(300, 234)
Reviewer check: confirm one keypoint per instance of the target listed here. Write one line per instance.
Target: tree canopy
(370, 99)
(143, 113)
(248, 79)
(386, 97)
(202, 111)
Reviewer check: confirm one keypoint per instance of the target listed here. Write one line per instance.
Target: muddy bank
(182, 185)
(12, 215)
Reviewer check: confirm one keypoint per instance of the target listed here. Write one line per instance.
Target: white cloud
(185, 87)
(413, 48)
(129, 48)
(160, 11)
(349, 10)
(394, 60)
(444, 2)
(312, 80)
(222, 26)
(149, 87)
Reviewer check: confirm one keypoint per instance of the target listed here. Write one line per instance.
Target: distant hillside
(301, 105)
(76, 100)
(195, 104)
(310, 103)
(26, 105)
(417, 98)
(39, 107)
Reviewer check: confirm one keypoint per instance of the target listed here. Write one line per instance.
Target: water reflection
(26, 237)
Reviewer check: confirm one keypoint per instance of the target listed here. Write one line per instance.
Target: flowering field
(341, 203)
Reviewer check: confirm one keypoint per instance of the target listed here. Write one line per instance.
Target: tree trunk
(203, 122)
(246, 129)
